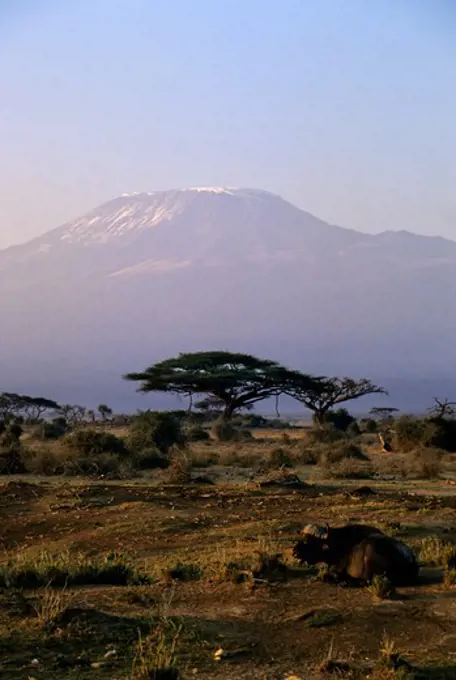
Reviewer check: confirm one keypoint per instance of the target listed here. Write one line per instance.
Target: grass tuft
(59, 571)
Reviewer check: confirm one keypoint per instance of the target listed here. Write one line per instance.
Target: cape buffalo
(357, 553)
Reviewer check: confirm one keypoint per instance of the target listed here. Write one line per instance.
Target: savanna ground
(91, 567)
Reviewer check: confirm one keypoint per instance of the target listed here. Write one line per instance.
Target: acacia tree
(104, 411)
(442, 408)
(31, 408)
(235, 380)
(326, 393)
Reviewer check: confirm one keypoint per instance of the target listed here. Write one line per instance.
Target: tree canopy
(30, 408)
(236, 380)
(326, 393)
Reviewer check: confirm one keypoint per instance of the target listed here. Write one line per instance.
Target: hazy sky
(347, 108)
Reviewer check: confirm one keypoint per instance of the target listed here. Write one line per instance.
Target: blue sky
(346, 108)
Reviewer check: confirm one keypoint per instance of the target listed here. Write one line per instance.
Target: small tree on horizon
(326, 393)
(104, 411)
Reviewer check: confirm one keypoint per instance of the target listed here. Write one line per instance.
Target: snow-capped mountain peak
(135, 212)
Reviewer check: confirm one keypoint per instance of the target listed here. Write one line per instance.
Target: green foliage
(197, 434)
(340, 419)
(231, 380)
(29, 408)
(368, 425)
(50, 430)
(154, 429)
(11, 448)
(150, 459)
(411, 432)
(323, 394)
(381, 588)
(104, 411)
(89, 442)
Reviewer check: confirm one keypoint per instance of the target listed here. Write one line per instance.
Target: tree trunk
(222, 429)
(320, 418)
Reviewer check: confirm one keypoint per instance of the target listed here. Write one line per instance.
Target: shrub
(381, 588)
(155, 429)
(445, 434)
(11, 450)
(411, 433)
(41, 460)
(225, 432)
(327, 434)
(341, 451)
(391, 467)
(50, 430)
(341, 419)
(150, 459)
(427, 462)
(197, 434)
(185, 572)
(180, 469)
(279, 458)
(107, 464)
(435, 552)
(89, 442)
(349, 468)
(368, 425)
(307, 456)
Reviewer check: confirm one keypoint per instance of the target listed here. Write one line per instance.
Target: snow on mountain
(146, 275)
(138, 211)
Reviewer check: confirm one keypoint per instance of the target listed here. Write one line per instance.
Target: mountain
(147, 275)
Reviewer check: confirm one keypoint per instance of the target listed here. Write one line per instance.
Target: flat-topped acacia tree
(236, 380)
(326, 393)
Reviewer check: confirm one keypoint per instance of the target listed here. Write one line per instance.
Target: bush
(89, 442)
(411, 433)
(368, 425)
(341, 451)
(445, 434)
(197, 434)
(107, 464)
(41, 460)
(349, 468)
(381, 588)
(150, 459)
(180, 469)
(224, 431)
(161, 430)
(427, 462)
(280, 458)
(327, 434)
(11, 449)
(307, 455)
(50, 430)
(341, 419)
(436, 552)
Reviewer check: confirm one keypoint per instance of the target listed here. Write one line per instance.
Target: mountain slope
(147, 275)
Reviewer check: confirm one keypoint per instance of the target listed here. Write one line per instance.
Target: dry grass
(219, 570)
(156, 654)
(52, 604)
